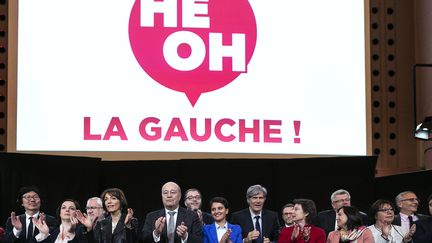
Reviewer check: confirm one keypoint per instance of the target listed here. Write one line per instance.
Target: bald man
(187, 226)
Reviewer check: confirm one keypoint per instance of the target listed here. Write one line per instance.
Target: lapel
(105, 226)
(181, 216)
(213, 234)
(249, 220)
(163, 213)
(263, 223)
(120, 225)
(22, 218)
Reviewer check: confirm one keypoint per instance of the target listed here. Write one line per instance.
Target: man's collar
(253, 214)
(36, 215)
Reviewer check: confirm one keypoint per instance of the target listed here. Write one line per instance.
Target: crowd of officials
(108, 219)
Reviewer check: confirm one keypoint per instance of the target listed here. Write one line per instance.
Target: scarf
(353, 236)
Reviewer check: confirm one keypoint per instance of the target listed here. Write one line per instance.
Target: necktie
(171, 227)
(258, 227)
(30, 231)
(411, 221)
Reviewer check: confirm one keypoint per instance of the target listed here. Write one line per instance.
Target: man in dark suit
(423, 233)
(21, 229)
(327, 219)
(172, 224)
(407, 203)
(192, 201)
(258, 225)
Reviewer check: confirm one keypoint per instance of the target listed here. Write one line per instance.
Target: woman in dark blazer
(68, 231)
(119, 226)
(219, 210)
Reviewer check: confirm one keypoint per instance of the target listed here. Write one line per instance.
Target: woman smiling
(350, 227)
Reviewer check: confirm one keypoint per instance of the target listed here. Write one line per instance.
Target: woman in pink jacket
(350, 227)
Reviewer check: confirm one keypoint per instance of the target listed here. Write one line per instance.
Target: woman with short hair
(350, 227)
(303, 230)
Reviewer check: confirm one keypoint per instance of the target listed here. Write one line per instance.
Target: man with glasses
(327, 219)
(288, 214)
(407, 203)
(193, 202)
(172, 224)
(95, 209)
(21, 229)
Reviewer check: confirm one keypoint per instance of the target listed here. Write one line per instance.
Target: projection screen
(216, 78)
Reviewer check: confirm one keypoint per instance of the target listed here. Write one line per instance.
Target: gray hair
(98, 200)
(399, 198)
(339, 192)
(255, 190)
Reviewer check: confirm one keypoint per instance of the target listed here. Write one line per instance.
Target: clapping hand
(16, 223)
(306, 233)
(296, 232)
(128, 216)
(41, 224)
(408, 236)
(85, 220)
(182, 231)
(74, 222)
(226, 237)
(253, 235)
(159, 226)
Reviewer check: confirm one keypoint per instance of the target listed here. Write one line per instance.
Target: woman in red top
(303, 230)
(1, 232)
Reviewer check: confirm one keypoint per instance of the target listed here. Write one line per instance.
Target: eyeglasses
(411, 199)
(28, 197)
(386, 210)
(92, 208)
(197, 197)
(342, 200)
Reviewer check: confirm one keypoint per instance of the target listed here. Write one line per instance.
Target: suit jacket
(9, 236)
(80, 235)
(189, 218)
(207, 218)
(210, 234)
(270, 223)
(423, 233)
(326, 220)
(122, 234)
(317, 235)
(397, 218)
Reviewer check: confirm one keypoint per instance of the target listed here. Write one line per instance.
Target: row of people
(174, 224)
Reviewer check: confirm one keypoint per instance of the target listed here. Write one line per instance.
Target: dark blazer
(210, 234)
(423, 233)
(9, 236)
(397, 218)
(326, 220)
(122, 234)
(80, 235)
(270, 223)
(207, 218)
(188, 217)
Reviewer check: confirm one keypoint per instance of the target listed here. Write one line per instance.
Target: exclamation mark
(297, 131)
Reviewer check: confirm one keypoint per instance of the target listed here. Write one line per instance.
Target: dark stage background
(60, 177)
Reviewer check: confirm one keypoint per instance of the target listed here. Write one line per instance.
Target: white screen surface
(81, 88)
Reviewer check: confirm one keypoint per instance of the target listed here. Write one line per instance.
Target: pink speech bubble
(227, 18)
